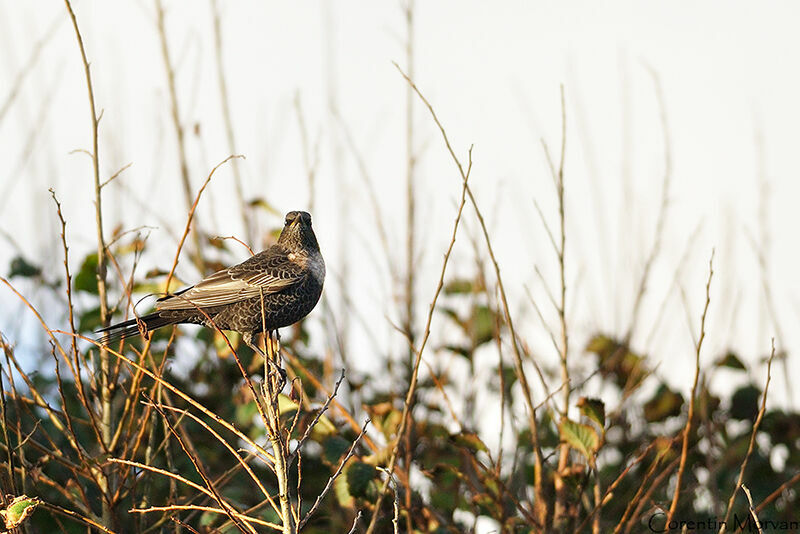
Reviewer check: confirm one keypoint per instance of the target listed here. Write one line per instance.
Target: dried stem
(539, 498)
(688, 428)
(190, 218)
(404, 419)
(333, 477)
(751, 445)
(106, 383)
(560, 512)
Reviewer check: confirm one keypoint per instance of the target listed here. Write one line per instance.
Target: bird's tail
(131, 327)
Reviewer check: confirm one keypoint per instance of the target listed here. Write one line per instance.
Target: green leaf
(245, 413)
(89, 321)
(580, 437)
(356, 481)
(259, 202)
(730, 360)
(483, 324)
(359, 477)
(618, 362)
(664, 404)
(471, 441)
(21, 267)
(744, 403)
(459, 286)
(323, 428)
(286, 406)
(86, 279)
(342, 490)
(333, 448)
(19, 509)
(461, 351)
(594, 409)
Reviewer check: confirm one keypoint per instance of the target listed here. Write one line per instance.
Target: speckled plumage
(289, 275)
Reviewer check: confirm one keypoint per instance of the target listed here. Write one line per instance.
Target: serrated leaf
(342, 490)
(594, 409)
(21, 267)
(323, 428)
(580, 437)
(19, 510)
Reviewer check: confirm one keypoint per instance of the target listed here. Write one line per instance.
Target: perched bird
(288, 276)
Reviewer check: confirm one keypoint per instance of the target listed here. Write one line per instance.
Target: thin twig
(191, 216)
(106, 417)
(750, 447)
(229, 510)
(752, 511)
(333, 478)
(426, 334)
(688, 428)
(317, 417)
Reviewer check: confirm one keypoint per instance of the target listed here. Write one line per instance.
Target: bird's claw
(281, 373)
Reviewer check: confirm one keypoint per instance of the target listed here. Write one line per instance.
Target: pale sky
(728, 72)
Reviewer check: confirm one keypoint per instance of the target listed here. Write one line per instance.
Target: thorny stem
(106, 415)
(410, 223)
(539, 499)
(688, 428)
(426, 334)
(756, 424)
(563, 456)
(410, 200)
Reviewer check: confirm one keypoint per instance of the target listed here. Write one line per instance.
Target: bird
(287, 277)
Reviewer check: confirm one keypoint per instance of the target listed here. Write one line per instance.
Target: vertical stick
(410, 200)
(410, 233)
(688, 428)
(275, 433)
(563, 454)
(106, 418)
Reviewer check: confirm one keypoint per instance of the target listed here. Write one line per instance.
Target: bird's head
(297, 233)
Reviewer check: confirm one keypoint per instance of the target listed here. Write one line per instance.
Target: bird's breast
(316, 265)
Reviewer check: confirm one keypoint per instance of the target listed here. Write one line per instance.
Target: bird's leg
(247, 337)
(276, 351)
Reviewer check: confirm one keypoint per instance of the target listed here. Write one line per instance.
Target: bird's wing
(269, 272)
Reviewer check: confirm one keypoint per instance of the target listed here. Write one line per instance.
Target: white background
(728, 73)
